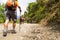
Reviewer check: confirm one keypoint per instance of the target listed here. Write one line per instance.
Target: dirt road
(30, 32)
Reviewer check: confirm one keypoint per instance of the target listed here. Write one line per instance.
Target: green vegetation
(43, 9)
(2, 16)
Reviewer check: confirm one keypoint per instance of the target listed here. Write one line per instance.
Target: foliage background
(43, 9)
(36, 11)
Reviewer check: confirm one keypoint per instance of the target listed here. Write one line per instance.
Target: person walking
(10, 12)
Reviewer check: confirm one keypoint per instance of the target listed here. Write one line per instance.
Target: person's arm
(19, 8)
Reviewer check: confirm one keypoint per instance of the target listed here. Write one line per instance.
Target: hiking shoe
(4, 34)
(13, 31)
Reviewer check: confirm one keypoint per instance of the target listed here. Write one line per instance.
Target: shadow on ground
(54, 26)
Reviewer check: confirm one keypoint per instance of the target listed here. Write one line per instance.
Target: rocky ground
(31, 32)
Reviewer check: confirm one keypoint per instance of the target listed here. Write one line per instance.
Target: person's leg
(5, 27)
(6, 24)
(14, 18)
(14, 25)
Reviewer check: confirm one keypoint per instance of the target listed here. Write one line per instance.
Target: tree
(42, 9)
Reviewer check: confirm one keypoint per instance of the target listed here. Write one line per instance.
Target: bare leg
(6, 24)
(14, 25)
(5, 27)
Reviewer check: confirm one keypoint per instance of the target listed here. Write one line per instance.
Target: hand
(20, 10)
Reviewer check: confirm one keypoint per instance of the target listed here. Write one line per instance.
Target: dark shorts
(11, 15)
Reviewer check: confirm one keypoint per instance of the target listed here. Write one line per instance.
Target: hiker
(10, 11)
(22, 19)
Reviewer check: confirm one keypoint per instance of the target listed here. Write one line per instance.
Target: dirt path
(31, 32)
